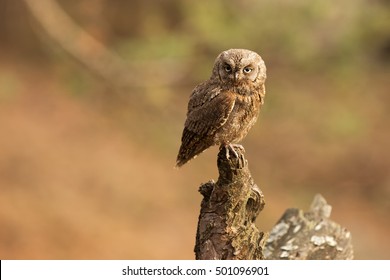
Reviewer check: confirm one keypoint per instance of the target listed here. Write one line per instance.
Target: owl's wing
(208, 110)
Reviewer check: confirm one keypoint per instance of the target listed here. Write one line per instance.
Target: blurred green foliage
(314, 34)
(309, 35)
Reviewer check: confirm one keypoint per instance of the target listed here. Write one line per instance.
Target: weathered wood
(226, 228)
(230, 206)
(309, 235)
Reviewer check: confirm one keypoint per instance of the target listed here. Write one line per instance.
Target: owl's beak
(236, 77)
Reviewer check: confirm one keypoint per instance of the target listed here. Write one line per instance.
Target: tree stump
(226, 226)
(309, 235)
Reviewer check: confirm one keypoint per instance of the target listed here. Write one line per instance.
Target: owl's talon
(227, 152)
(231, 148)
(235, 151)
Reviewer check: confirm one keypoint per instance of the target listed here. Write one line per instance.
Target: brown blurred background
(93, 97)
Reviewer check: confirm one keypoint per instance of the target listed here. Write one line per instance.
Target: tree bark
(226, 226)
(309, 235)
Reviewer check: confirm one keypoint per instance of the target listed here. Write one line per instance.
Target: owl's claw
(231, 148)
(237, 151)
(233, 155)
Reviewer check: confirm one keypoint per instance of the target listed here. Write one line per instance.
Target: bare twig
(95, 56)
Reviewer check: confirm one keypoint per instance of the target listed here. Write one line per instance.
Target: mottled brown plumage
(222, 109)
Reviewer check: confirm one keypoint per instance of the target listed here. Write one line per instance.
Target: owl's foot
(237, 150)
(232, 148)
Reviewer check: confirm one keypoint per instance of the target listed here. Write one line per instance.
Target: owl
(222, 109)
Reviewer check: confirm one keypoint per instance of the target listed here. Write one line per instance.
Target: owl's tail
(192, 145)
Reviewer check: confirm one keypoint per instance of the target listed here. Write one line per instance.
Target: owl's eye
(228, 68)
(247, 70)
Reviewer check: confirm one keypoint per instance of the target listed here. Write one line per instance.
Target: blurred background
(93, 98)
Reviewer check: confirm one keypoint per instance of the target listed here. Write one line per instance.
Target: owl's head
(238, 66)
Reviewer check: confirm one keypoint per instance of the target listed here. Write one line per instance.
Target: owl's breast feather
(243, 116)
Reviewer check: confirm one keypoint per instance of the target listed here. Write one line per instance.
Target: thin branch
(94, 55)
